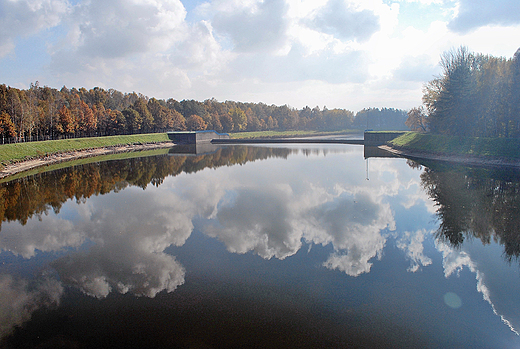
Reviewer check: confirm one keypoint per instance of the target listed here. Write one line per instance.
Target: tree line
(42, 113)
(476, 96)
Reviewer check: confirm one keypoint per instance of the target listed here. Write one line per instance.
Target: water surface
(252, 246)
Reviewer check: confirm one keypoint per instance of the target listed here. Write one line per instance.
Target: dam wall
(380, 138)
(195, 137)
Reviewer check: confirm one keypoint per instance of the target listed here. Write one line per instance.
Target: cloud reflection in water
(269, 208)
(266, 207)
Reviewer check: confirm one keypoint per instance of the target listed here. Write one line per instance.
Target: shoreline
(452, 158)
(17, 167)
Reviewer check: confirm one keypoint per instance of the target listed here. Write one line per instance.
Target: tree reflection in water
(476, 203)
(36, 195)
(348, 287)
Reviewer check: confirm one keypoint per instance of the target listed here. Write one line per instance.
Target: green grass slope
(471, 146)
(22, 151)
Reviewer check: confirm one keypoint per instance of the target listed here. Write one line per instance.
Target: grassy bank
(84, 161)
(485, 147)
(285, 134)
(23, 151)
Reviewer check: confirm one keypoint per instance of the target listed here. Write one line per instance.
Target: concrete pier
(380, 138)
(196, 137)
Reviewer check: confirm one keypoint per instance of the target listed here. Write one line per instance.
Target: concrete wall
(193, 137)
(182, 137)
(208, 136)
(380, 138)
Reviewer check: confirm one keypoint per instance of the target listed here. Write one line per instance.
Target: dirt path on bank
(18, 167)
(460, 159)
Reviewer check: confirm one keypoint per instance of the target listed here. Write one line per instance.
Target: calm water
(266, 247)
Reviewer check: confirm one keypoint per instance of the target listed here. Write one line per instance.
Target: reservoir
(260, 246)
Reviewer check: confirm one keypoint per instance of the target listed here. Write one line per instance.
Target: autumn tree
(147, 120)
(216, 124)
(417, 120)
(226, 122)
(195, 123)
(176, 121)
(66, 124)
(476, 95)
(4, 98)
(271, 123)
(159, 113)
(191, 107)
(101, 115)
(87, 122)
(116, 123)
(7, 128)
(48, 111)
(239, 119)
(133, 120)
(287, 118)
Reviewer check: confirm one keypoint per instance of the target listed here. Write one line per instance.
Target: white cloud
(416, 69)
(200, 52)
(24, 17)
(347, 54)
(475, 14)
(254, 26)
(344, 21)
(137, 46)
(114, 29)
(325, 66)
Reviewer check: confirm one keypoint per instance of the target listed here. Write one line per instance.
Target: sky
(349, 54)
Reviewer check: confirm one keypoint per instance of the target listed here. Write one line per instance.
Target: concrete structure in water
(204, 142)
(195, 137)
(380, 138)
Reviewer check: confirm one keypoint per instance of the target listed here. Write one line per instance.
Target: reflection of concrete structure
(194, 149)
(376, 152)
(195, 137)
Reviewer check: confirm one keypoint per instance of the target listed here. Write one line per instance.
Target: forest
(43, 113)
(475, 96)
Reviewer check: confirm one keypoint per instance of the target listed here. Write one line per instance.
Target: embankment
(19, 157)
(470, 151)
